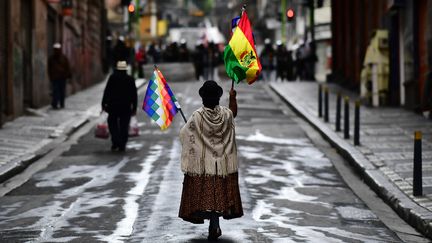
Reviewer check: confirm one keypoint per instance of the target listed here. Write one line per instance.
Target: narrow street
(290, 189)
(333, 137)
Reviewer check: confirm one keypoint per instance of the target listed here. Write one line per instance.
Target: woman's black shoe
(214, 233)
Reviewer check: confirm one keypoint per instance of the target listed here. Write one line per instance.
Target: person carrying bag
(120, 102)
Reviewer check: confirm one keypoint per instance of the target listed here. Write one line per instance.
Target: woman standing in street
(209, 162)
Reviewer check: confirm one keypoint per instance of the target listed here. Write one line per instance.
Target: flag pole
(243, 8)
(181, 112)
(176, 103)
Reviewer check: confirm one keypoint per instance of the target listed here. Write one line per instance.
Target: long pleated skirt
(204, 194)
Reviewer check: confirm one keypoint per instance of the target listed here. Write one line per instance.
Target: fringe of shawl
(208, 143)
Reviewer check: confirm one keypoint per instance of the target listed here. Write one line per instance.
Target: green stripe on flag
(154, 96)
(155, 106)
(153, 86)
(232, 66)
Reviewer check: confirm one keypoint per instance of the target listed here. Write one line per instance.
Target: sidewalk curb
(417, 216)
(18, 165)
(14, 167)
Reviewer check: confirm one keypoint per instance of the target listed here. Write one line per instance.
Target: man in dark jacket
(198, 60)
(267, 60)
(281, 61)
(120, 102)
(58, 71)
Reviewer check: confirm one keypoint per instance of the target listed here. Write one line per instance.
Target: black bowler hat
(210, 89)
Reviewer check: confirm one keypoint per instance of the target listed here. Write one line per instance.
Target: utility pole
(284, 20)
(153, 18)
(311, 6)
(126, 19)
(312, 46)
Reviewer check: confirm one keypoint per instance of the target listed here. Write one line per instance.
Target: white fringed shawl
(208, 143)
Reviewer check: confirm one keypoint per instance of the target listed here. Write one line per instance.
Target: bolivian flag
(240, 56)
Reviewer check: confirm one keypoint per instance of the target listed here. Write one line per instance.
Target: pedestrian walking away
(140, 60)
(281, 60)
(299, 63)
(198, 60)
(183, 52)
(59, 72)
(120, 102)
(211, 57)
(310, 59)
(267, 60)
(120, 51)
(209, 162)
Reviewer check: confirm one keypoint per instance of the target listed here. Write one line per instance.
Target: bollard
(326, 104)
(338, 112)
(320, 100)
(346, 118)
(357, 123)
(417, 172)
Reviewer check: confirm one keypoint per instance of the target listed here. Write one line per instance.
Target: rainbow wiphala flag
(240, 56)
(159, 101)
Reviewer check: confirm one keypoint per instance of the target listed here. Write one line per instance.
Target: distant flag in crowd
(240, 56)
(234, 23)
(159, 101)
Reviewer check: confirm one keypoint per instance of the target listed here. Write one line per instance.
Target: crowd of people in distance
(278, 63)
(287, 64)
(205, 57)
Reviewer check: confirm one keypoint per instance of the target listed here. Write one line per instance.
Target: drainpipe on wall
(416, 54)
(394, 45)
(284, 20)
(401, 61)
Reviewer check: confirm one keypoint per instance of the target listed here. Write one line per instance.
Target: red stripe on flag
(245, 26)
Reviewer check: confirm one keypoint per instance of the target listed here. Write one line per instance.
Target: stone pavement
(385, 155)
(29, 137)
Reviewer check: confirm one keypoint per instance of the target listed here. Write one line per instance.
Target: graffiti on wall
(40, 76)
(40, 64)
(17, 66)
(18, 77)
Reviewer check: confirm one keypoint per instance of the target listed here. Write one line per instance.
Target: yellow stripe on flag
(244, 53)
(161, 110)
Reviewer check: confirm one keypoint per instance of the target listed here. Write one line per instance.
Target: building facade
(29, 28)
(408, 24)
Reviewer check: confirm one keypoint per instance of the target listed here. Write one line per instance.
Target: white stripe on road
(125, 226)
